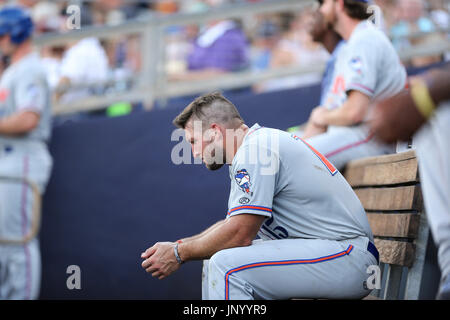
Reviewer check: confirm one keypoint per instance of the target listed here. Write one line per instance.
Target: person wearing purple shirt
(220, 49)
(222, 46)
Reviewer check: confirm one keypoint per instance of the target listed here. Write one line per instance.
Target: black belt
(373, 250)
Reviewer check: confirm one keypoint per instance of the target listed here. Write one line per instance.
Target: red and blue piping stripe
(250, 207)
(281, 263)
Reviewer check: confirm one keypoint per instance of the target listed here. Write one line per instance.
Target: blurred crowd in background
(201, 51)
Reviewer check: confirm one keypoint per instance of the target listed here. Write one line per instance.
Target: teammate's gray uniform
(23, 86)
(433, 153)
(315, 238)
(368, 63)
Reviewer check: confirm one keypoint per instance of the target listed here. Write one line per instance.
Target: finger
(157, 274)
(151, 269)
(161, 277)
(146, 263)
(147, 253)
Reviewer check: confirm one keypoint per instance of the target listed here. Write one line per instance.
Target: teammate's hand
(312, 130)
(396, 118)
(160, 260)
(318, 116)
(315, 126)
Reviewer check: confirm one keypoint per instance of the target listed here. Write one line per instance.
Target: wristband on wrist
(177, 256)
(422, 98)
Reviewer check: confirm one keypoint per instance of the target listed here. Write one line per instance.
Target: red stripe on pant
(24, 230)
(279, 263)
(335, 152)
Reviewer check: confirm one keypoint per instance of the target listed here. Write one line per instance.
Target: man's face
(6, 46)
(206, 143)
(328, 11)
(316, 26)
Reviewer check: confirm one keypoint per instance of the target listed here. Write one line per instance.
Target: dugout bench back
(389, 189)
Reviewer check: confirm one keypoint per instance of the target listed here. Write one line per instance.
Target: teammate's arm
(359, 75)
(30, 98)
(312, 129)
(389, 122)
(351, 112)
(19, 123)
(438, 82)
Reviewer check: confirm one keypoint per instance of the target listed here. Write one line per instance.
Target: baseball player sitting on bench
(367, 68)
(315, 239)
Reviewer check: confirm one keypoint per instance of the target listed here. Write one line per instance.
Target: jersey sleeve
(253, 181)
(30, 94)
(361, 69)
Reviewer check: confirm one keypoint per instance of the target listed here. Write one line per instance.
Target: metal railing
(151, 82)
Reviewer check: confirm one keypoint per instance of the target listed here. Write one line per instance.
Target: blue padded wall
(114, 191)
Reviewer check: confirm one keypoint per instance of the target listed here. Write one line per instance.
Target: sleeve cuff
(250, 209)
(361, 88)
(34, 109)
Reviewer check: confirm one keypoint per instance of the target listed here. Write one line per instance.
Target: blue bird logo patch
(243, 180)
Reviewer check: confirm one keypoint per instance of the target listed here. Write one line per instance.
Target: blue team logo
(356, 65)
(32, 91)
(243, 180)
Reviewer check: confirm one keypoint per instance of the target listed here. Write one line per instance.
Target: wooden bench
(389, 189)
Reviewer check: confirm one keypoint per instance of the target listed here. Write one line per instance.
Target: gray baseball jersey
(23, 86)
(433, 154)
(369, 64)
(316, 236)
(280, 176)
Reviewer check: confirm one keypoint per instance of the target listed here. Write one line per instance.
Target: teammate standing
(24, 131)
(424, 112)
(315, 241)
(367, 68)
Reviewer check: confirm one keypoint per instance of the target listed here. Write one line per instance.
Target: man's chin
(214, 166)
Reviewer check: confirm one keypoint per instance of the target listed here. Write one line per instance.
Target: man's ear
(215, 127)
(219, 131)
(211, 131)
